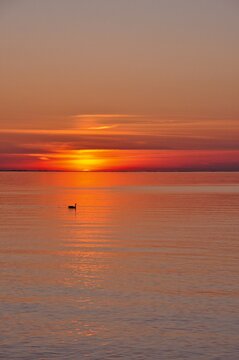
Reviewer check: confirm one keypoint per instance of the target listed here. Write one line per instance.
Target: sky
(94, 85)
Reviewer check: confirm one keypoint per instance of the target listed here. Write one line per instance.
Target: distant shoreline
(123, 171)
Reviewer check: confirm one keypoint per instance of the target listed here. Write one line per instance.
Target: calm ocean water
(145, 268)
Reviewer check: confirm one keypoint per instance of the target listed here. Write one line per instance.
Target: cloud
(92, 122)
(105, 116)
(103, 127)
(57, 140)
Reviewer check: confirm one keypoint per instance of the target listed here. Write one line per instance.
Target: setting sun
(87, 160)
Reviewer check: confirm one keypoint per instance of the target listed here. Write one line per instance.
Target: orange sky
(102, 85)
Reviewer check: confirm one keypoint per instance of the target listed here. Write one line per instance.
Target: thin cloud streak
(105, 116)
(103, 127)
(78, 140)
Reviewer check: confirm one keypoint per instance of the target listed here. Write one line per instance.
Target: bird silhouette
(72, 206)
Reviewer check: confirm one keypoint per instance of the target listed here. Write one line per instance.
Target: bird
(72, 206)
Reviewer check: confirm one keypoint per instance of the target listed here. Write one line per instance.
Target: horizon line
(120, 171)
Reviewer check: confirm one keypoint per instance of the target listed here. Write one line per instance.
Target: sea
(146, 266)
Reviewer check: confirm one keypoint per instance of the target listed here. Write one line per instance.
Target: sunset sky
(119, 85)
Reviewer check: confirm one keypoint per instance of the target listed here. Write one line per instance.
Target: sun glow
(88, 160)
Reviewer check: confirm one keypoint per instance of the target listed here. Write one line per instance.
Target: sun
(88, 160)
